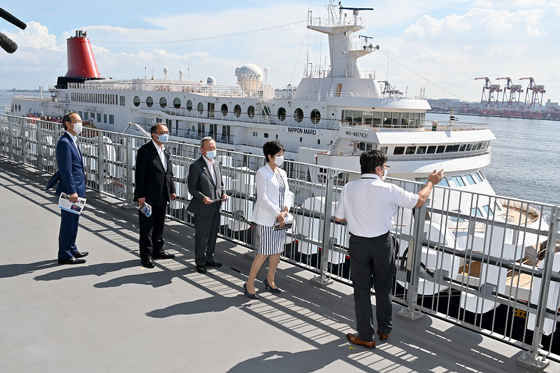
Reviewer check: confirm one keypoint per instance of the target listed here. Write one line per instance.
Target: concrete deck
(112, 315)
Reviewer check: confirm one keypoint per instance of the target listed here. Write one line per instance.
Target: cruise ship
(332, 116)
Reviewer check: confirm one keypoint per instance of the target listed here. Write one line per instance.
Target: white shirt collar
(209, 162)
(371, 176)
(74, 138)
(159, 148)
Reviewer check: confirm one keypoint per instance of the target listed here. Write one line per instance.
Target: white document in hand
(73, 207)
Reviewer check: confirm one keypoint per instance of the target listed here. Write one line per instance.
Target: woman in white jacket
(272, 206)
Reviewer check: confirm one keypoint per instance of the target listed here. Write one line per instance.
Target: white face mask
(385, 172)
(77, 128)
(279, 160)
(211, 154)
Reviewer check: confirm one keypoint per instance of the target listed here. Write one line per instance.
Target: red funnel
(81, 62)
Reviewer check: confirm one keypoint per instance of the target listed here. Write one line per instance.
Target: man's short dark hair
(155, 127)
(66, 118)
(370, 160)
(272, 148)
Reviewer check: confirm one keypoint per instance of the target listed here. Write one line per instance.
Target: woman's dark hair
(66, 118)
(272, 148)
(370, 160)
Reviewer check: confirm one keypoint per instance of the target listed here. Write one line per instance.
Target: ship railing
(336, 21)
(31, 98)
(485, 262)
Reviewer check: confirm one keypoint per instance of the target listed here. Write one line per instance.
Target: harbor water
(525, 154)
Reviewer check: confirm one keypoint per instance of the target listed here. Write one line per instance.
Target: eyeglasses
(163, 133)
(386, 166)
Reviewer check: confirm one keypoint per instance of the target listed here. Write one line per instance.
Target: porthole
(237, 110)
(315, 116)
(163, 102)
(298, 115)
(281, 114)
(189, 105)
(136, 101)
(224, 110)
(200, 108)
(251, 111)
(150, 101)
(176, 103)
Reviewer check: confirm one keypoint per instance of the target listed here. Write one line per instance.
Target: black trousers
(206, 233)
(151, 231)
(372, 260)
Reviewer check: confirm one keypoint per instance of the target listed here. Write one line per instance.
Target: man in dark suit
(154, 186)
(71, 180)
(207, 190)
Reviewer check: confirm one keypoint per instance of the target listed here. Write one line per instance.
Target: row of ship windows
(265, 134)
(98, 98)
(432, 149)
(315, 114)
(459, 181)
(107, 118)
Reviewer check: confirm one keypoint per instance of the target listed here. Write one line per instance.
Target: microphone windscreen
(7, 44)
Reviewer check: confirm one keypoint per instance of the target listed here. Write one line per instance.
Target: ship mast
(339, 27)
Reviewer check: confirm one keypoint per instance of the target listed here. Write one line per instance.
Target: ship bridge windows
(440, 149)
(163, 102)
(431, 149)
(265, 112)
(365, 146)
(452, 148)
(251, 111)
(384, 149)
(315, 116)
(136, 101)
(458, 180)
(281, 114)
(237, 111)
(149, 101)
(189, 105)
(470, 179)
(410, 149)
(224, 110)
(298, 115)
(398, 150)
(176, 102)
(383, 119)
(421, 150)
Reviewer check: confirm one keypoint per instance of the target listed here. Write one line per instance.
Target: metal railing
(485, 262)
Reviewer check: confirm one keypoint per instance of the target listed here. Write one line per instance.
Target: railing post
(410, 312)
(128, 187)
(10, 139)
(531, 358)
(23, 142)
(100, 163)
(39, 138)
(327, 241)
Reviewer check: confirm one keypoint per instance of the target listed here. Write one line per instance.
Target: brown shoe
(355, 338)
(383, 337)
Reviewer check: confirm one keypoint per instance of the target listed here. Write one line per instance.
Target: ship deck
(112, 315)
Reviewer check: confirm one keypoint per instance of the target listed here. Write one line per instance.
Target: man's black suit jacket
(202, 185)
(152, 181)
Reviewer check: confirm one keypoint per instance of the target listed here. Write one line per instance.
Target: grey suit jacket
(202, 185)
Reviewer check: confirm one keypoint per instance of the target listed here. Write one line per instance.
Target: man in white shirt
(368, 206)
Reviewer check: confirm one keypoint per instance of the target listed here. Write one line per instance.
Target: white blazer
(268, 196)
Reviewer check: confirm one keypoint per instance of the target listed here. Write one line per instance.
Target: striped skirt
(268, 241)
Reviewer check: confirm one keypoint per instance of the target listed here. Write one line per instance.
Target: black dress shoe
(79, 254)
(147, 263)
(163, 255)
(71, 261)
(201, 269)
(213, 264)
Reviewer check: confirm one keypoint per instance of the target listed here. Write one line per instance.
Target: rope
(198, 39)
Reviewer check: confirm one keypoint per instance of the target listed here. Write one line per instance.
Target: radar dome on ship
(249, 77)
(211, 81)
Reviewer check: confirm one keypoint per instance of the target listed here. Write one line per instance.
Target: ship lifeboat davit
(81, 62)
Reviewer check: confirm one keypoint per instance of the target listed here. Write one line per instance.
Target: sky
(436, 46)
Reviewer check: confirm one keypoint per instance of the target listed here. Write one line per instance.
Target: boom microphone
(7, 44)
(13, 20)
